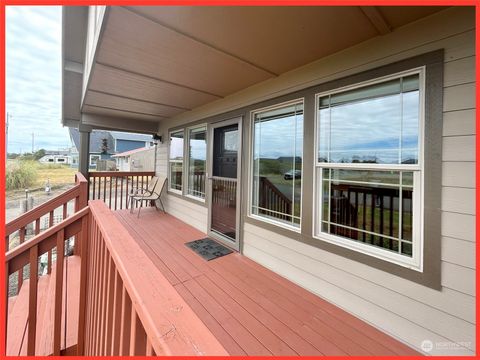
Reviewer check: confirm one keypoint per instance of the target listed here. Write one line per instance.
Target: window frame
(90, 159)
(418, 197)
(186, 159)
(170, 161)
(250, 171)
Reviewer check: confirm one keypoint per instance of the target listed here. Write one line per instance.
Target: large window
(197, 154)
(277, 164)
(175, 161)
(369, 168)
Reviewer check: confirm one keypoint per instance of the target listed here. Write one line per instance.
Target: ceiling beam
(119, 124)
(137, 99)
(377, 19)
(118, 68)
(126, 111)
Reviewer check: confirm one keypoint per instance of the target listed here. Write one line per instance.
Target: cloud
(33, 78)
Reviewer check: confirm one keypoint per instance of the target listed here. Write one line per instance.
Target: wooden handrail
(46, 207)
(10, 255)
(275, 190)
(41, 210)
(154, 317)
(113, 187)
(79, 193)
(28, 253)
(120, 173)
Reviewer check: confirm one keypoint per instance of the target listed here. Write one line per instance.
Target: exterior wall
(122, 164)
(127, 145)
(188, 211)
(142, 160)
(404, 309)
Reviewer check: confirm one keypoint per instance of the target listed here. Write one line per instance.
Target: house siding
(187, 211)
(127, 145)
(408, 311)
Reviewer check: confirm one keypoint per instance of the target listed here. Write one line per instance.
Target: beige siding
(404, 309)
(191, 213)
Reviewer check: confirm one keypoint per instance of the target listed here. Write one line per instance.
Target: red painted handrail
(28, 253)
(113, 187)
(78, 193)
(131, 307)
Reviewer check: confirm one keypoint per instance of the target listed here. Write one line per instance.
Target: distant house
(104, 144)
(56, 159)
(142, 159)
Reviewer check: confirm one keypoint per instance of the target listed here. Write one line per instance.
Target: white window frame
(186, 157)
(90, 159)
(170, 161)
(250, 213)
(416, 261)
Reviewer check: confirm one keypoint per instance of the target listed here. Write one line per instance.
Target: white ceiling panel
(118, 82)
(135, 43)
(128, 104)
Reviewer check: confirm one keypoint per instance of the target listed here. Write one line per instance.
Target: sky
(33, 78)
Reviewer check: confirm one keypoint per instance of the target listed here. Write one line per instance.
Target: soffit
(156, 62)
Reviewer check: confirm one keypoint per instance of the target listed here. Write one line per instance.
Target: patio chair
(153, 197)
(139, 191)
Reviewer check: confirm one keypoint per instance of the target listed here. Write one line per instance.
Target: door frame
(210, 130)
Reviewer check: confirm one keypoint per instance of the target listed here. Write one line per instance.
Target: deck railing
(27, 254)
(17, 228)
(374, 210)
(272, 201)
(113, 186)
(131, 308)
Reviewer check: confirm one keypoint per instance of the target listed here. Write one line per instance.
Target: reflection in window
(373, 207)
(373, 124)
(197, 154)
(175, 160)
(277, 163)
(368, 157)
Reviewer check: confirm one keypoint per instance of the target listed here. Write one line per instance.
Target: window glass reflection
(277, 164)
(197, 154)
(175, 161)
(374, 124)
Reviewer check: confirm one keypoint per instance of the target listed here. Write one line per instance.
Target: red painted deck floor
(250, 309)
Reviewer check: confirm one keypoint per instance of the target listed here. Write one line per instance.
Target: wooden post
(83, 284)
(57, 325)
(32, 301)
(83, 156)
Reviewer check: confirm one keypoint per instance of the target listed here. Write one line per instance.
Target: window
(197, 155)
(175, 160)
(277, 164)
(369, 168)
(94, 159)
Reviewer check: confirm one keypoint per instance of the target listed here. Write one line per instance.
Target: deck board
(250, 309)
(18, 315)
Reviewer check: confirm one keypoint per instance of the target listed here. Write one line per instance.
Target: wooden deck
(248, 308)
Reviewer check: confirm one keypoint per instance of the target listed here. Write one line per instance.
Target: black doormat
(208, 249)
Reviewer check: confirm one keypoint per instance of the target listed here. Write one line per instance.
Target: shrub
(20, 175)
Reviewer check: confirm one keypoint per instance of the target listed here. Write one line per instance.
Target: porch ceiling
(153, 63)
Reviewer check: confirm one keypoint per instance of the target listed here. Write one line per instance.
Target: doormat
(208, 249)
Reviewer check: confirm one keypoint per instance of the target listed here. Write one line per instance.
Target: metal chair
(139, 191)
(153, 196)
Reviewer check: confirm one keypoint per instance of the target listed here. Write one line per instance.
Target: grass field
(60, 175)
(57, 175)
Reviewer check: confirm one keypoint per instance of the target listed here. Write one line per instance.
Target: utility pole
(6, 136)
(33, 142)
